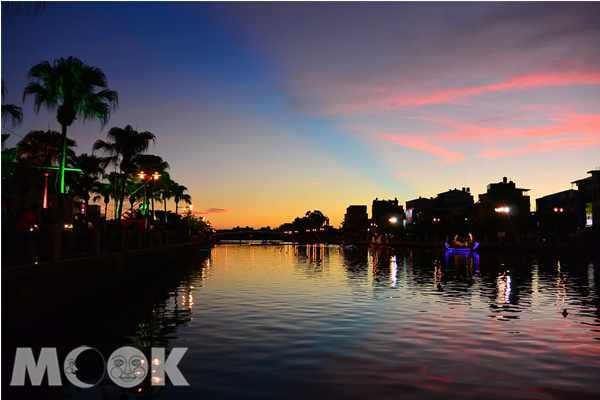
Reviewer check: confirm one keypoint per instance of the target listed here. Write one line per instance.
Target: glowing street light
(145, 177)
(188, 209)
(502, 210)
(393, 220)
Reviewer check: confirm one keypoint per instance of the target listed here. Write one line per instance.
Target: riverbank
(35, 287)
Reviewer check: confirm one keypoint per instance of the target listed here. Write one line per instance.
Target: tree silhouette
(84, 182)
(166, 190)
(73, 90)
(123, 145)
(179, 195)
(10, 111)
(311, 220)
(41, 149)
(150, 164)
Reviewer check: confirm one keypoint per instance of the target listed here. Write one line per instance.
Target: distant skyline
(268, 110)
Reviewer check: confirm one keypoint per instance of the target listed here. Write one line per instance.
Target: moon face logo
(70, 367)
(127, 367)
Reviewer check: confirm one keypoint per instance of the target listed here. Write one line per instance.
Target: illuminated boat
(462, 244)
(378, 243)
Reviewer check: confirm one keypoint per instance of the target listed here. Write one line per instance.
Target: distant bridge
(249, 235)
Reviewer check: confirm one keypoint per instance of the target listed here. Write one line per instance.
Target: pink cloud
(400, 175)
(424, 144)
(520, 82)
(212, 211)
(564, 130)
(360, 98)
(542, 146)
(566, 124)
(315, 184)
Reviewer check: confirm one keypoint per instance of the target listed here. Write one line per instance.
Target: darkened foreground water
(317, 322)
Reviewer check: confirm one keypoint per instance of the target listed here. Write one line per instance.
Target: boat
(378, 243)
(378, 246)
(462, 244)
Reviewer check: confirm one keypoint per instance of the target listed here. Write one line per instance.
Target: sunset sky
(268, 110)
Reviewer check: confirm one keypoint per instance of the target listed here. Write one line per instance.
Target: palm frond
(13, 112)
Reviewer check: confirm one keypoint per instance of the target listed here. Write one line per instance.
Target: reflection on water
(326, 322)
(503, 284)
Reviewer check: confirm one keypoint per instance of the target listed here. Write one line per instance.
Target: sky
(266, 110)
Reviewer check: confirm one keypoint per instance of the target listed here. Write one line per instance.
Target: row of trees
(77, 91)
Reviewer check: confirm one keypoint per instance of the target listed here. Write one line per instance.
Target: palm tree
(10, 110)
(123, 145)
(42, 149)
(179, 195)
(70, 87)
(111, 187)
(92, 168)
(166, 187)
(104, 191)
(150, 164)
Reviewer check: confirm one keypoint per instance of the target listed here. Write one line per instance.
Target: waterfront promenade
(44, 268)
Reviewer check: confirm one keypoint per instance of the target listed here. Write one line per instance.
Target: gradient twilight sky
(267, 110)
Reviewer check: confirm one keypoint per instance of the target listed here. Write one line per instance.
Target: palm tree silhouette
(166, 187)
(108, 189)
(179, 195)
(150, 164)
(123, 145)
(69, 87)
(103, 191)
(10, 110)
(42, 149)
(84, 183)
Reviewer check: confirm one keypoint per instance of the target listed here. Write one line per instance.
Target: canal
(324, 322)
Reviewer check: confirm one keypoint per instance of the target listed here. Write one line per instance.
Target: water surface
(294, 322)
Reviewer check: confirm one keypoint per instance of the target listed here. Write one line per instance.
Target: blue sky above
(267, 110)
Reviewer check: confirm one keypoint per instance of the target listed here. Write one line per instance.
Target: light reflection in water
(561, 291)
(393, 271)
(437, 274)
(462, 258)
(274, 331)
(503, 287)
(591, 278)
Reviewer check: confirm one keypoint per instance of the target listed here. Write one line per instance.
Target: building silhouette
(559, 214)
(419, 210)
(356, 218)
(504, 208)
(383, 210)
(453, 204)
(589, 189)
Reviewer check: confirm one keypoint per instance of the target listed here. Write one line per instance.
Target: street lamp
(145, 178)
(188, 209)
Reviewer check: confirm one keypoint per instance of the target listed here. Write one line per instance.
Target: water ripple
(324, 322)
